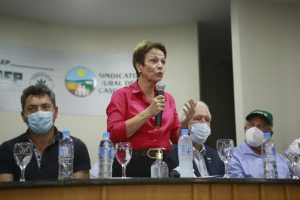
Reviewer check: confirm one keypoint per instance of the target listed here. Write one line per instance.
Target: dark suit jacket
(214, 164)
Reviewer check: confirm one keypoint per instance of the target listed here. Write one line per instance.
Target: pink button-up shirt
(126, 103)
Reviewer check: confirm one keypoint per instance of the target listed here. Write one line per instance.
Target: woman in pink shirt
(132, 110)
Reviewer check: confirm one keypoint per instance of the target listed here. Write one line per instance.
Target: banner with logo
(82, 83)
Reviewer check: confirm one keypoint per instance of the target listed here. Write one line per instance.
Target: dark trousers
(139, 165)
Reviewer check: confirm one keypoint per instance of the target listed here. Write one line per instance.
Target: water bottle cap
(267, 135)
(184, 131)
(105, 134)
(66, 133)
(159, 155)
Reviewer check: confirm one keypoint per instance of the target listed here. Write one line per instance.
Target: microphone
(160, 87)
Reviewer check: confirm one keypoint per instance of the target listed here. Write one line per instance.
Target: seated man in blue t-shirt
(246, 161)
(39, 112)
(206, 161)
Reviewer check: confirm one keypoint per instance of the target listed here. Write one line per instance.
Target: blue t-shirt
(246, 164)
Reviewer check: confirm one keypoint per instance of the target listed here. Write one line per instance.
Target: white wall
(181, 78)
(266, 64)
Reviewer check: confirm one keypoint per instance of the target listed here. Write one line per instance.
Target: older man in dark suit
(206, 160)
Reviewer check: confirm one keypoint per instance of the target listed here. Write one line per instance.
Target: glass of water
(23, 154)
(123, 154)
(225, 149)
(293, 159)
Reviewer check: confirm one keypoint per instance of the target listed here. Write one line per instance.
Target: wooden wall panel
(246, 192)
(149, 192)
(201, 192)
(221, 192)
(52, 193)
(273, 192)
(292, 192)
(186, 191)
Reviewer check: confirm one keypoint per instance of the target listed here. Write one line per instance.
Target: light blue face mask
(40, 122)
(200, 132)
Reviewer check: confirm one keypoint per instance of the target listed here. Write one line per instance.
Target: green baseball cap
(261, 113)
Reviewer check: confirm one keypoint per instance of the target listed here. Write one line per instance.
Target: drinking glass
(123, 154)
(23, 154)
(293, 158)
(225, 149)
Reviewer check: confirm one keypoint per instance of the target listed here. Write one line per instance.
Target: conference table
(152, 189)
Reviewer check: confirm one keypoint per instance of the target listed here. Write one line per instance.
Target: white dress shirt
(200, 162)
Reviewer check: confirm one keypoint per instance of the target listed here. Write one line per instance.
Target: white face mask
(254, 137)
(200, 132)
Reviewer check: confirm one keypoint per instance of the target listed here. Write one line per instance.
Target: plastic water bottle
(269, 157)
(185, 154)
(65, 156)
(106, 156)
(159, 169)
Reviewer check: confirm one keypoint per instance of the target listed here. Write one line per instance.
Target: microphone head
(160, 86)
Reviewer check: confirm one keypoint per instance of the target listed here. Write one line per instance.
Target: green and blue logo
(80, 81)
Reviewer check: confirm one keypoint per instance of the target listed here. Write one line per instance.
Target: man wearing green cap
(247, 161)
